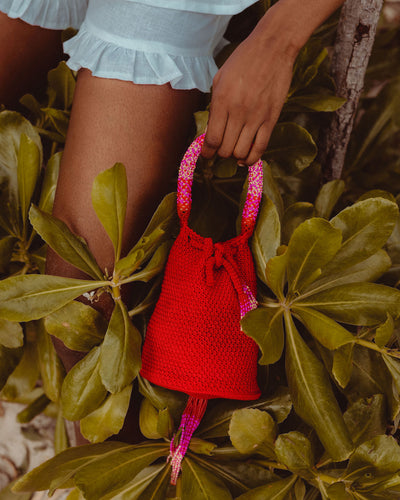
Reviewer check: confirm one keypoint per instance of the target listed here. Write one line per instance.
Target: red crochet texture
(194, 342)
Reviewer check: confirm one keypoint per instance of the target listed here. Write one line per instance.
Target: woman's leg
(146, 128)
(27, 53)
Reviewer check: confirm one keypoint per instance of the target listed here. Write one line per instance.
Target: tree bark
(354, 40)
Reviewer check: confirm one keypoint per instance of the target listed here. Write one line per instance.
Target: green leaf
(62, 86)
(215, 422)
(7, 245)
(61, 441)
(107, 475)
(51, 369)
(312, 395)
(366, 418)
(120, 358)
(377, 457)
(201, 447)
(393, 365)
(24, 298)
(265, 326)
(356, 304)
(109, 198)
(23, 379)
(11, 334)
(59, 120)
(312, 245)
(165, 424)
(267, 236)
(276, 273)
(49, 183)
(156, 264)
(271, 189)
(201, 119)
(148, 420)
(315, 102)
(252, 431)
(58, 471)
(328, 196)
(367, 270)
(224, 168)
(108, 419)
(293, 216)
(365, 226)
(338, 491)
(343, 364)
(294, 155)
(75, 494)
(33, 409)
(384, 332)
(294, 450)
(277, 490)
(199, 484)
(9, 359)
(68, 246)
(328, 333)
(27, 173)
(82, 391)
(78, 326)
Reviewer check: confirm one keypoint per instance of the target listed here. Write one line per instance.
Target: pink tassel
(191, 418)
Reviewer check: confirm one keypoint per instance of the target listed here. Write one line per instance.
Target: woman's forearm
(290, 23)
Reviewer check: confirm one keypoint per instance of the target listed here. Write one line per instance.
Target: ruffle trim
(108, 60)
(51, 14)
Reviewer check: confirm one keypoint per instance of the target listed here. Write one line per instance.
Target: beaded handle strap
(185, 181)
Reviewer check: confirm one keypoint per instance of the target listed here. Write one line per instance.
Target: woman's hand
(251, 87)
(248, 94)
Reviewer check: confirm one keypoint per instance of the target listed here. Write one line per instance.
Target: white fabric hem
(108, 60)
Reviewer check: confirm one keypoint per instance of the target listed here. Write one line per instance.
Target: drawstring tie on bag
(216, 258)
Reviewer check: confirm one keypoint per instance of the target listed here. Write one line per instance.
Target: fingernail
(241, 164)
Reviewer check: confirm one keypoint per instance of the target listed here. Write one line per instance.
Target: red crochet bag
(193, 341)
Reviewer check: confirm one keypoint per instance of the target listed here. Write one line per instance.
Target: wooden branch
(354, 40)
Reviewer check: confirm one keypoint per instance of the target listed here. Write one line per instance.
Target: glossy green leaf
(276, 273)
(7, 245)
(267, 236)
(215, 422)
(27, 172)
(315, 102)
(24, 298)
(33, 409)
(365, 227)
(9, 359)
(225, 167)
(75, 494)
(165, 424)
(49, 183)
(58, 471)
(356, 304)
(299, 489)
(51, 370)
(11, 334)
(156, 264)
(369, 269)
(78, 326)
(23, 379)
(294, 450)
(328, 196)
(293, 216)
(294, 155)
(108, 474)
(312, 245)
(366, 418)
(108, 419)
(271, 189)
(61, 441)
(265, 326)
(109, 198)
(148, 420)
(120, 358)
(201, 447)
(312, 395)
(252, 431)
(201, 119)
(384, 332)
(393, 365)
(343, 364)
(338, 491)
(59, 120)
(61, 86)
(70, 247)
(379, 456)
(199, 484)
(140, 252)
(328, 333)
(277, 490)
(82, 391)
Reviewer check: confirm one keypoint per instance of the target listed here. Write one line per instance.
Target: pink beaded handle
(185, 180)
